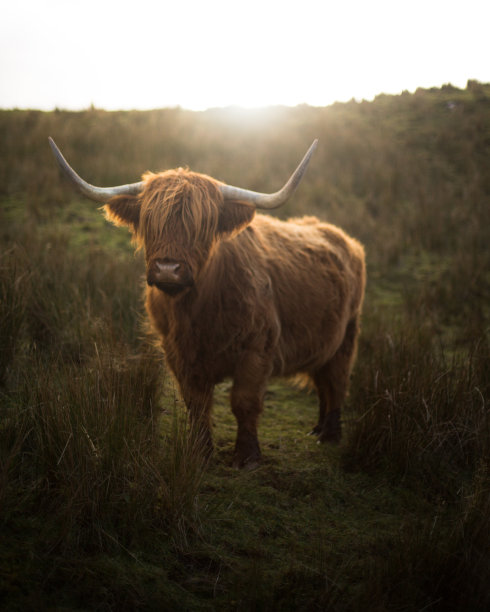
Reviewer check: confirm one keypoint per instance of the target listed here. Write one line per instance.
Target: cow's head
(177, 216)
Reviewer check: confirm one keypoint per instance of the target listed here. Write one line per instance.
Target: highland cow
(232, 293)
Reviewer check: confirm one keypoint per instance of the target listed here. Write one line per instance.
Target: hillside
(103, 502)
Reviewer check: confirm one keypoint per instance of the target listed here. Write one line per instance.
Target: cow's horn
(99, 194)
(270, 200)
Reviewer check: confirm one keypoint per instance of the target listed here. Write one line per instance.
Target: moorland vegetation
(104, 503)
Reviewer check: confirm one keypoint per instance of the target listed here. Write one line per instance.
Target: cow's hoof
(248, 464)
(329, 437)
(332, 428)
(315, 431)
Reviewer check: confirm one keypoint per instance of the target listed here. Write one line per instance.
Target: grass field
(104, 503)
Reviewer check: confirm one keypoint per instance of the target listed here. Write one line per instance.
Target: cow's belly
(306, 348)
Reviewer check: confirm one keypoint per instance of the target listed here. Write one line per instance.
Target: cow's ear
(234, 216)
(124, 210)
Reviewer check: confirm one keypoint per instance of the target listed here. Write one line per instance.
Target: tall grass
(422, 412)
(422, 417)
(12, 310)
(80, 433)
(88, 448)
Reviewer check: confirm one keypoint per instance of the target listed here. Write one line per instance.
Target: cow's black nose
(169, 276)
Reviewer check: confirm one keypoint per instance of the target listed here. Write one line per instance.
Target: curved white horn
(271, 200)
(99, 194)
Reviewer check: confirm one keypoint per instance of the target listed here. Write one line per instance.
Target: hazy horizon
(233, 106)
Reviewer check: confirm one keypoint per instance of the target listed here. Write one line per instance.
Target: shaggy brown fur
(267, 298)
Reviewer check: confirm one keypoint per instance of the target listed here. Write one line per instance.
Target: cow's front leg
(247, 398)
(199, 401)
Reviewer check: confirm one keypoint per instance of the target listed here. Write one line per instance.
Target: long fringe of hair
(181, 206)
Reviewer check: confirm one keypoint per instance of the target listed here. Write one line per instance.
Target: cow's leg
(331, 382)
(199, 401)
(247, 396)
(321, 416)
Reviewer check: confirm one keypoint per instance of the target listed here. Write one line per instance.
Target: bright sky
(205, 53)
